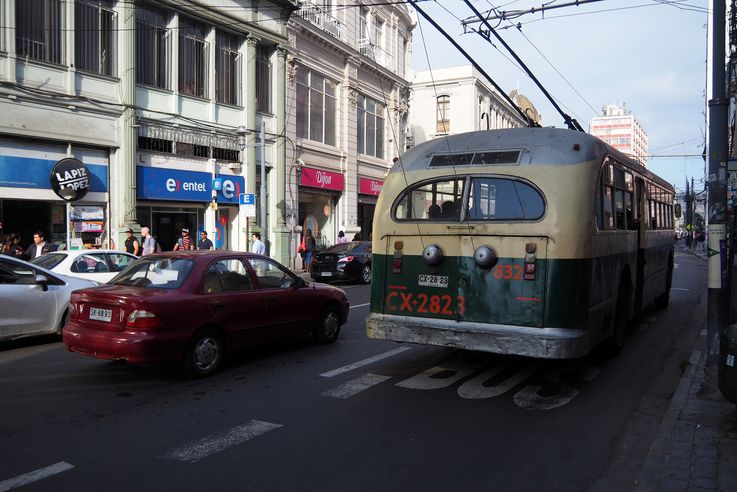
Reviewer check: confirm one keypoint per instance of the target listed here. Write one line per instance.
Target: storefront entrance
(317, 213)
(168, 227)
(366, 219)
(26, 217)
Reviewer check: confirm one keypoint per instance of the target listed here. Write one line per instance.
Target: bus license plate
(433, 281)
(101, 314)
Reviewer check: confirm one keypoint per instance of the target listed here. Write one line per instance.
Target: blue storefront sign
(27, 172)
(187, 186)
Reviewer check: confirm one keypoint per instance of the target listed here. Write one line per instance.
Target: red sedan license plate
(98, 314)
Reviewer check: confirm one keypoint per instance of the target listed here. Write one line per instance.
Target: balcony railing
(376, 53)
(323, 19)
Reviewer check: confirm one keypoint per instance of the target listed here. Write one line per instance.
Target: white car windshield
(49, 260)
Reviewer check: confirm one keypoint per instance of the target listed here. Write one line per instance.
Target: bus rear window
(503, 199)
(439, 200)
(488, 199)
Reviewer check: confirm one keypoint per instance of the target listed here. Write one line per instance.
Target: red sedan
(192, 307)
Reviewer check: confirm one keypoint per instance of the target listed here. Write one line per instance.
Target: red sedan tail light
(142, 320)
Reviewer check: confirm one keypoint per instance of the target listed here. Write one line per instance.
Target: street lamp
(242, 132)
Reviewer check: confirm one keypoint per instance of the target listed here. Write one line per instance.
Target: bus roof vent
(476, 159)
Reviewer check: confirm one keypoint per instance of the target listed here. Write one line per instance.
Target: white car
(33, 300)
(100, 265)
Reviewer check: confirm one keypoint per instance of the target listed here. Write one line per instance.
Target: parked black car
(347, 261)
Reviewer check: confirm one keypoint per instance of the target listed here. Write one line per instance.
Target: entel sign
(228, 190)
(170, 184)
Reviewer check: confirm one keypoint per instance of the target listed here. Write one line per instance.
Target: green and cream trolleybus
(540, 242)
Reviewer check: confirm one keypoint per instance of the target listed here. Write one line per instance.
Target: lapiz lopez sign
(186, 186)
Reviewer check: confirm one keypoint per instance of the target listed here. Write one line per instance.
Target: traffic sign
(247, 199)
(247, 205)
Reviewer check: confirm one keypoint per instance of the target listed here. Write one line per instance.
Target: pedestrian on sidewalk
(150, 245)
(306, 248)
(341, 238)
(204, 243)
(258, 246)
(184, 243)
(701, 242)
(132, 245)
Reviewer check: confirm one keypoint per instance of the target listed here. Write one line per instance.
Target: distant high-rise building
(619, 128)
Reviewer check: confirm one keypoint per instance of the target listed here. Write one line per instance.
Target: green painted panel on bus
(487, 298)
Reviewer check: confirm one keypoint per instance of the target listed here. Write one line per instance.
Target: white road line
(202, 448)
(679, 288)
(351, 388)
(364, 362)
(360, 305)
(35, 475)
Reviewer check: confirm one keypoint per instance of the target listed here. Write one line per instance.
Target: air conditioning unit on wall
(234, 165)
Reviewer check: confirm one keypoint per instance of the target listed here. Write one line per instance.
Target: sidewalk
(696, 446)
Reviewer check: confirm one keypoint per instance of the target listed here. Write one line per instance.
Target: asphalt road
(355, 415)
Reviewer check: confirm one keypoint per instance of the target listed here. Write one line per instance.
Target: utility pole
(689, 216)
(717, 301)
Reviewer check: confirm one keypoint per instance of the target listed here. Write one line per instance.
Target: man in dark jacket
(39, 246)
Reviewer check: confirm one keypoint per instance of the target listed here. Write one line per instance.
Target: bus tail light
(397, 261)
(530, 259)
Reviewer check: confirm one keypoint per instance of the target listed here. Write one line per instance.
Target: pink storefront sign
(318, 178)
(368, 186)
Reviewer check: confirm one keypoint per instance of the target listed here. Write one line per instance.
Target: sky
(649, 54)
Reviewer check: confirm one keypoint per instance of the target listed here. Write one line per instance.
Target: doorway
(167, 227)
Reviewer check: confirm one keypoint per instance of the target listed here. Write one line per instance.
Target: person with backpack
(150, 245)
(184, 243)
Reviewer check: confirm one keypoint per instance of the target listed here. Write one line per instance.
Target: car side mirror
(301, 283)
(43, 281)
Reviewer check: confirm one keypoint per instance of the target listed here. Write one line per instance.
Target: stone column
(281, 232)
(123, 196)
(250, 107)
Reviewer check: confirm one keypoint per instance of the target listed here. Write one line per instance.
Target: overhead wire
(445, 137)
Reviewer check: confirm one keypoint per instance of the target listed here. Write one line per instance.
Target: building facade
(347, 103)
(618, 127)
(457, 100)
(150, 97)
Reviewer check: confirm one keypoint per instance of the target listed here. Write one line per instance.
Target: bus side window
(608, 198)
(628, 211)
(619, 209)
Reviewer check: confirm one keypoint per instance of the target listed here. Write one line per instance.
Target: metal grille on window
(227, 69)
(263, 79)
(193, 58)
(94, 36)
(38, 27)
(153, 47)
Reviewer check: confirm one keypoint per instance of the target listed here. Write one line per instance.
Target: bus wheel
(613, 345)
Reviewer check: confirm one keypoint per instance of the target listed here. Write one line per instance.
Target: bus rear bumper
(547, 343)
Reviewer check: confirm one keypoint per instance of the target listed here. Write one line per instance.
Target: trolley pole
(717, 301)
